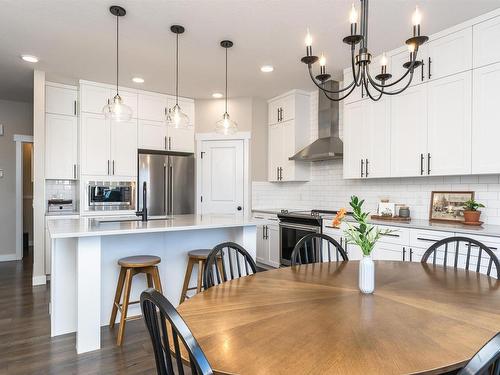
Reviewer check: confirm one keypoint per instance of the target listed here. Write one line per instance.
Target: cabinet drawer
(492, 242)
(424, 239)
(399, 236)
(265, 217)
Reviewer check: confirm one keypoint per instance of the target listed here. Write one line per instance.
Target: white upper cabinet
(448, 54)
(152, 135)
(180, 139)
(124, 148)
(355, 139)
(409, 132)
(61, 100)
(61, 145)
(152, 106)
(378, 162)
(289, 132)
(485, 129)
(95, 145)
(486, 37)
(94, 98)
(449, 125)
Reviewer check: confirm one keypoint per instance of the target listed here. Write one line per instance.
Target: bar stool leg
(201, 265)
(126, 297)
(187, 278)
(157, 281)
(118, 294)
(149, 278)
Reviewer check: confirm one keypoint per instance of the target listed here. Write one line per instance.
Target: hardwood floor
(27, 348)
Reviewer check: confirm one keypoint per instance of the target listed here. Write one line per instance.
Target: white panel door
(60, 100)
(275, 151)
(94, 98)
(152, 106)
(486, 37)
(444, 59)
(449, 124)
(354, 137)
(95, 145)
(262, 250)
(377, 142)
(288, 149)
(409, 132)
(486, 129)
(124, 148)
(273, 234)
(388, 251)
(288, 108)
(274, 114)
(61, 145)
(181, 139)
(222, 176)
(152, 135)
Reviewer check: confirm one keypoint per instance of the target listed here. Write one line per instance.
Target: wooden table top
(312, 319)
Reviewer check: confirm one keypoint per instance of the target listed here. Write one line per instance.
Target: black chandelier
(360, 61)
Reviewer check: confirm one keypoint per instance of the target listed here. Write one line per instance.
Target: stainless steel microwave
(109, 196)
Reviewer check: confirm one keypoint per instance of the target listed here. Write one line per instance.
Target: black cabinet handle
(429, 68)
(169, 143)
(428, 163)
(74, 107)
(390, 235)
(421, 164)
(362, 167)
(108, 167)
(281, 173)
(426, 239)
(366, 168)
(277, 173)
(113, 167)
(411, 255)
(422, 71)
(74, 171)
(404, 254)
(165, 142)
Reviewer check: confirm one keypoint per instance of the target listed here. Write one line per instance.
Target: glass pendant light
(175, 116)
(117, 110)
(226, 125)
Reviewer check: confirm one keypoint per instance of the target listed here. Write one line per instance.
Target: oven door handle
(301, 226)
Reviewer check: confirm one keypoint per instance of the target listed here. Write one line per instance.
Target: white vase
(366, 275)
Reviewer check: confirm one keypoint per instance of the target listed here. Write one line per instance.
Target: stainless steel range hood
(328, 146)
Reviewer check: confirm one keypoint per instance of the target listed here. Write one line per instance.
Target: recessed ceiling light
(267, 68)
(29, 58)
(138, 80)
(217, 95)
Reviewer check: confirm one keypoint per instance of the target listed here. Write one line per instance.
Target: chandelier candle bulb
(353, 19)
(417, 19)
(309, 42)
(383, 64)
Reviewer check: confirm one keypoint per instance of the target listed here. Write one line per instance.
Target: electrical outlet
(1, 173)
(1, 130)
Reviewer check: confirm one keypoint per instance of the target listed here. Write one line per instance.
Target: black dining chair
(486, 361)
(464, 253)
(311, 247)
(157, 310)
(227, 261)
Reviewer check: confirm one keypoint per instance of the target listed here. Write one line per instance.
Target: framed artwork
(448, 205)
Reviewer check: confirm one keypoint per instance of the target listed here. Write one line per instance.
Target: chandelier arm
(375, 99)
(326, 90)
(376, 84)
(397, 91)
(341, 98)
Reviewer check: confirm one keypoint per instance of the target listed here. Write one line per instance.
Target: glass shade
(226, 125)
(117, 110)
(176, 118)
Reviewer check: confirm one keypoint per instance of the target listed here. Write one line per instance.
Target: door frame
(20, 139)
(239, 136)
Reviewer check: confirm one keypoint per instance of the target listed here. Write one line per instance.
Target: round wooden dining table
(312, 319)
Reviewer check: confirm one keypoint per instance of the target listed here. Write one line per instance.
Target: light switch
(1, 173)
(1, 130)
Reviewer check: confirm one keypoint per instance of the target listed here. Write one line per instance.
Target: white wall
(250, 114)
(328, 190)
(17, 118)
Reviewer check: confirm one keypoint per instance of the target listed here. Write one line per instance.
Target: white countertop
(90, 227)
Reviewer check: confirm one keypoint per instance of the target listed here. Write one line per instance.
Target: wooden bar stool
(194, 257)
(130, 267)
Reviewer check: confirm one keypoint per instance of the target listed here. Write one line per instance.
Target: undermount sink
(121, 219)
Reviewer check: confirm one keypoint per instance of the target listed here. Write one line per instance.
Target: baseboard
(8, 257)
(39, 280)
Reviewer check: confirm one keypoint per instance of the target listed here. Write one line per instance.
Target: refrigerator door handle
(171, 189)
(165, 189)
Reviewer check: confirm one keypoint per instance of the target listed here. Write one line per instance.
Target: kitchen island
(84, 265)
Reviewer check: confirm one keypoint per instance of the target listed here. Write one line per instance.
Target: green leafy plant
(363, 234)
(472, 205)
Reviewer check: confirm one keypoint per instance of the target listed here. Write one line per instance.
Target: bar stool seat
(199, 257)
(129, 267)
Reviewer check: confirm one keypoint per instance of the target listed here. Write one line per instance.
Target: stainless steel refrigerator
(170, 182)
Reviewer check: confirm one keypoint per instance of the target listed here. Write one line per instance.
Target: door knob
(239, 208)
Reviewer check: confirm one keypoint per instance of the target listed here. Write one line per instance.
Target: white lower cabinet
(268, 242)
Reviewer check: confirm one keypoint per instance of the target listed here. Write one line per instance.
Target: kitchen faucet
(144, 213)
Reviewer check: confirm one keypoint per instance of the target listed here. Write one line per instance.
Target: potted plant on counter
(364, 235)
(471, 212)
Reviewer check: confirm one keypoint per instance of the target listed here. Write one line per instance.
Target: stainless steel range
(296, 224)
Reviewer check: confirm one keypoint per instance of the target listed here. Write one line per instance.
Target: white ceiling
(74, 39)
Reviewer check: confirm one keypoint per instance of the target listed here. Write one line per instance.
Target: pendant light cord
(226, 81)
(117, 57)
(177, 71)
